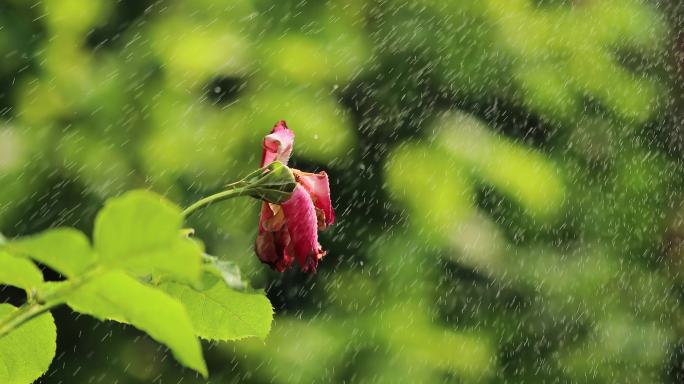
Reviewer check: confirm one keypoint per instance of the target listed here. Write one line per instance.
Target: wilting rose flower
(289, 231)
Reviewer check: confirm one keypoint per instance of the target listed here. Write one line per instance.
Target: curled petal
(273, 240)
(300, 214)
(278, 145)
(272, 249)
(316, 184)
(272, 218)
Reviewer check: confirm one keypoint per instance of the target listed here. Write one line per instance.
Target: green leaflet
(19, 272)
(140, 232)
(137, 237)
(118, 296)
(220, 313)
(65, 250)
(26, 353)
(227, 270)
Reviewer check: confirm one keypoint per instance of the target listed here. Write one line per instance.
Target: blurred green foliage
(506, 175)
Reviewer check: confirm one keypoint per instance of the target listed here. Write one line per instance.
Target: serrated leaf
(140, 232)
(26, 352)
(19, 272)
(220, 313)
(118, 296)
(65, 250)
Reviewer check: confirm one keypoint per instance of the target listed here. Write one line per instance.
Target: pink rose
(289, 231)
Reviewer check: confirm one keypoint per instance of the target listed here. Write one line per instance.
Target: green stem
(25, 313)
(223, 195)
(36, 308)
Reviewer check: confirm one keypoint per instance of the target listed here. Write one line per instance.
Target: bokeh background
(507, 176)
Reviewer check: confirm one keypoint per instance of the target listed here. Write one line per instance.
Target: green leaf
(65, 250)
(118, 296)
(19, 272)
(227, 270)
(140, 232)
(220, 313)
(26, 352)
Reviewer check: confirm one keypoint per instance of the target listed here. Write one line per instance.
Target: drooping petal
(300, 215)
(316, 184)
(271, 218)
(273, 240)
(272, 249)
(278, 145)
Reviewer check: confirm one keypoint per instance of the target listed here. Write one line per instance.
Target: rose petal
(272, 249)
(271, 218)
(273, 240)
(300, 215)
(316, 184)
(278, 145)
